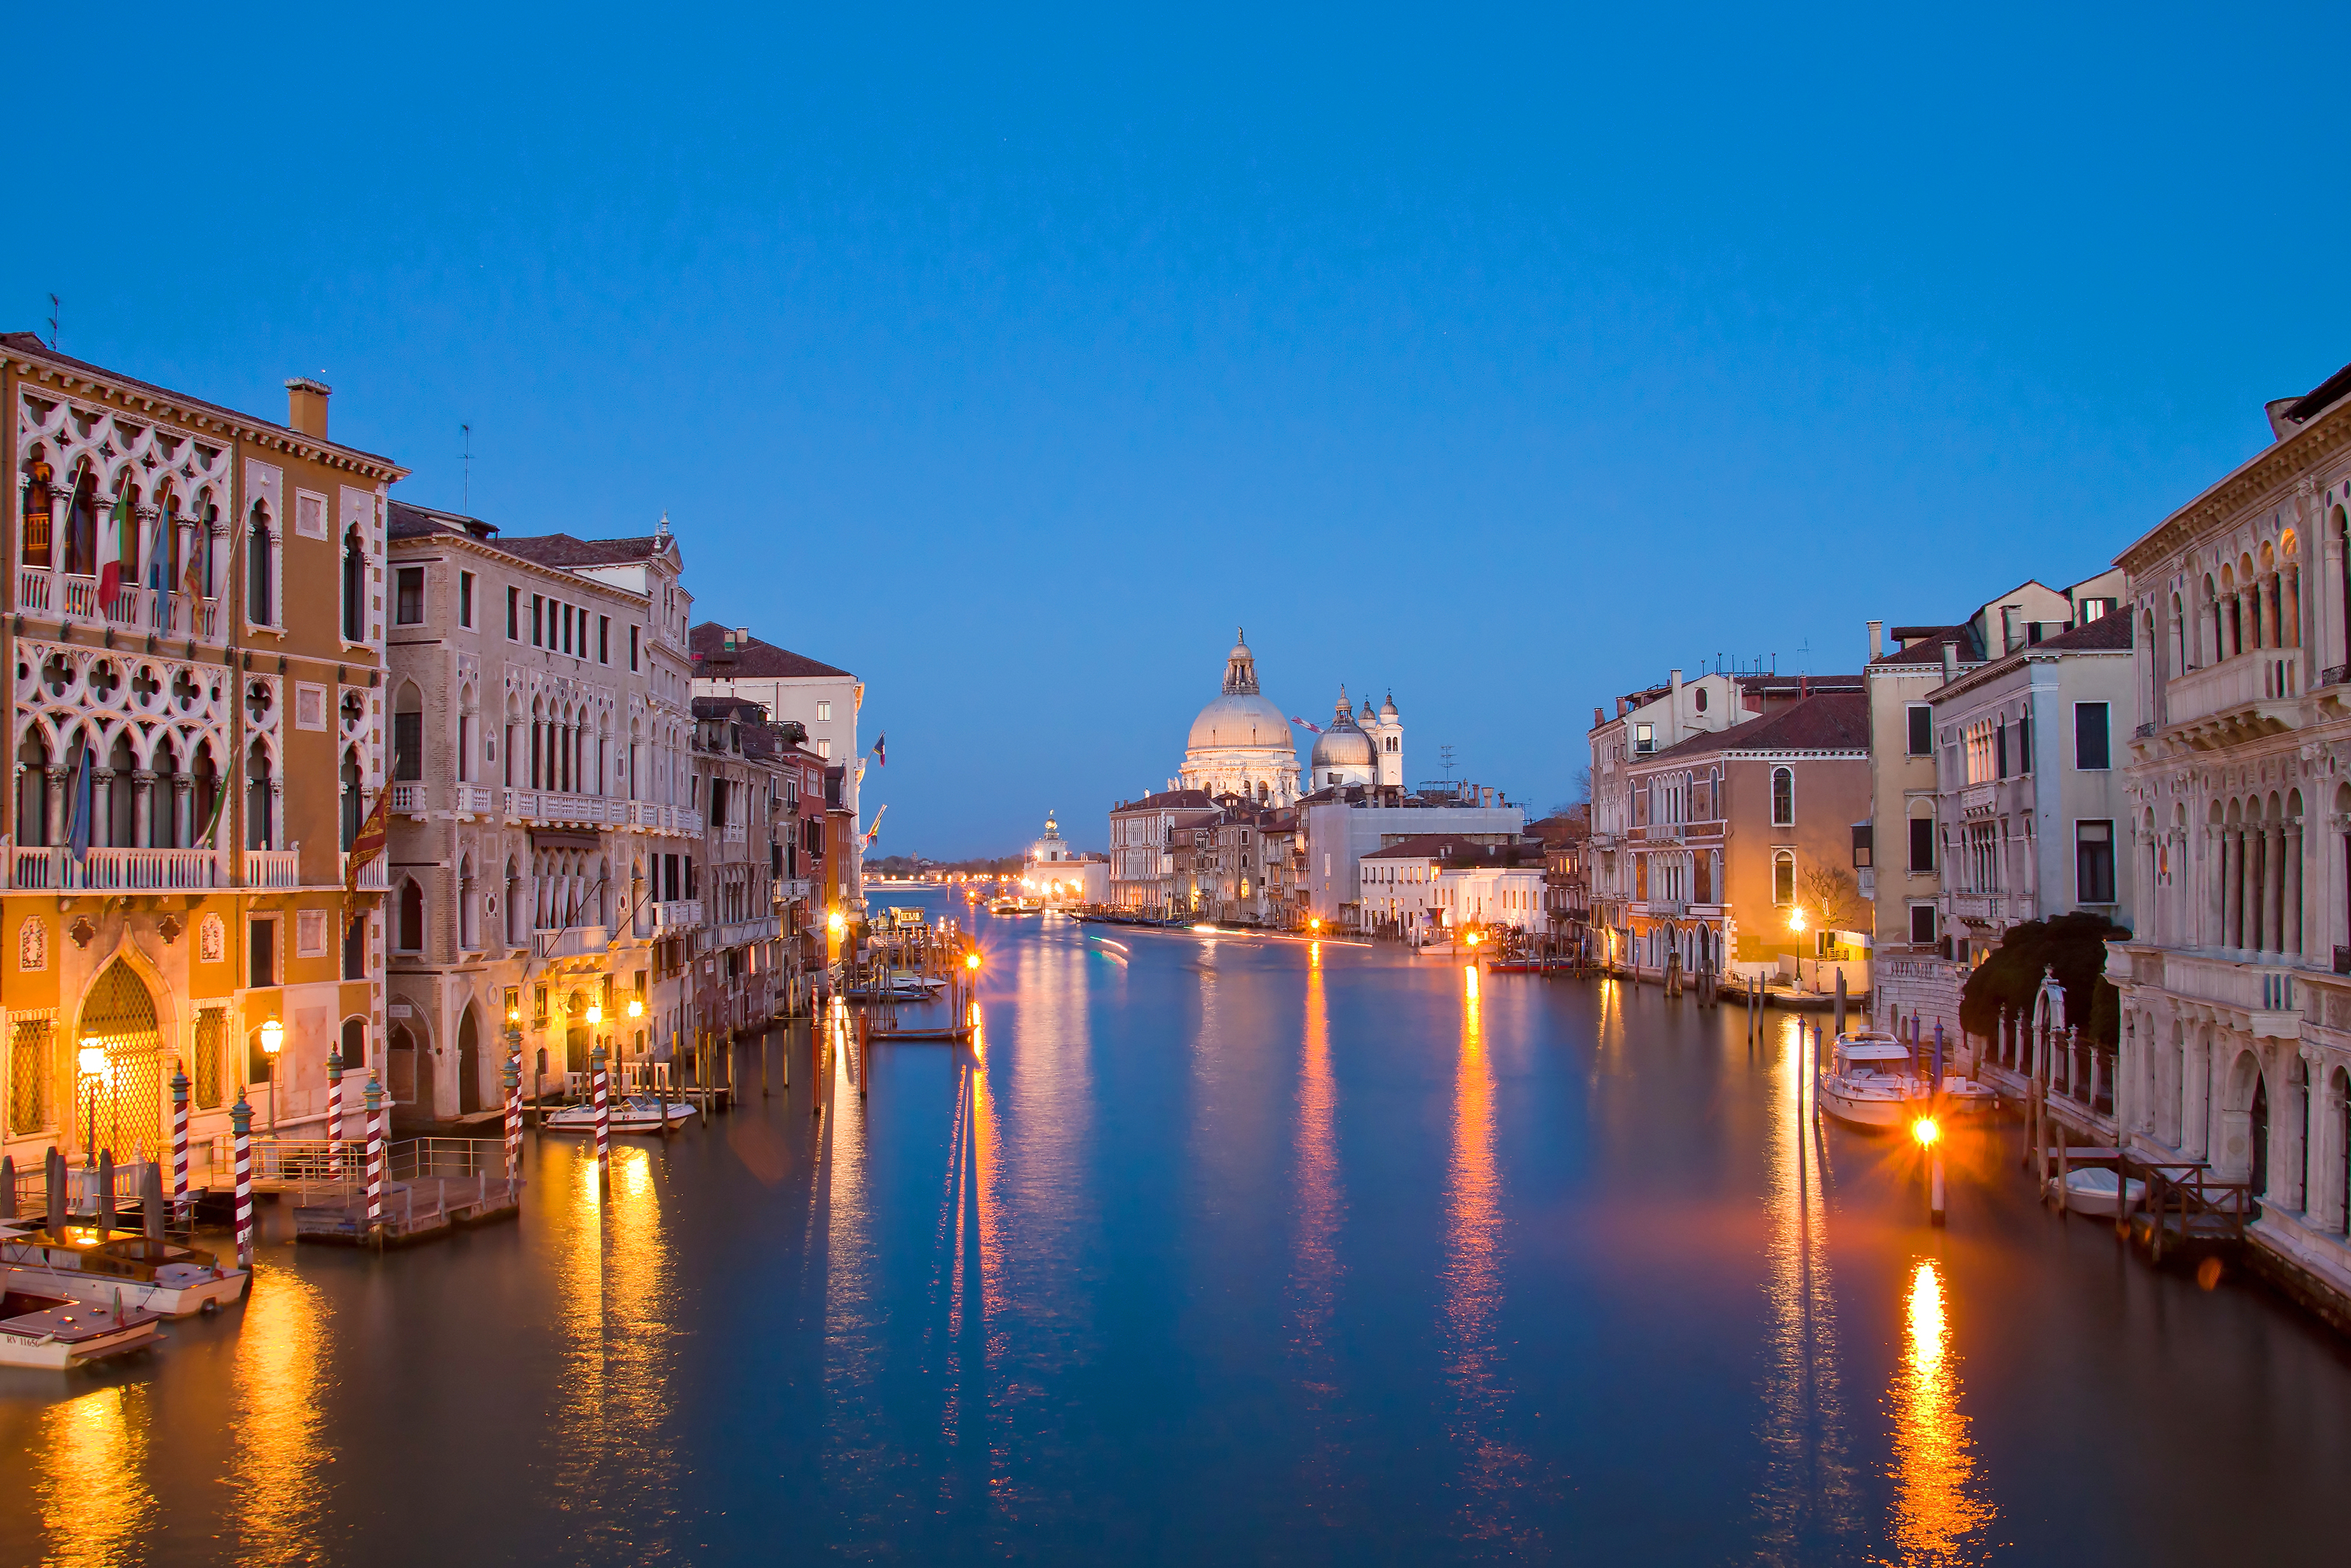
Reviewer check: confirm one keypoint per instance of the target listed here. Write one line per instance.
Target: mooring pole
(240, 1122)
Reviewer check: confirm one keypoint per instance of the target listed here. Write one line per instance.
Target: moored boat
(58, 1333)
(1869, 1082)
(2096, 1190)
(83, 1262)
(624, 1114)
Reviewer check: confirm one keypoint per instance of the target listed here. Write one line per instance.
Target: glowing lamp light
(636, 1009)
(835, 924)
(92, 1057)
(1315, 924)
(273, 1036)
(595, 1014)
(514, 1016)
(1926, 1131)
(1474, 938)
(971, 960)
(1796, 919)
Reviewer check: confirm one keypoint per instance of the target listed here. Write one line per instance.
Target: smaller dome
(1348, 747)
(1387, 709)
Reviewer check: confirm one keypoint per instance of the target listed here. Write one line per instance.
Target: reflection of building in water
(281, 1382)
(1933, 1460)
(1807, 1492)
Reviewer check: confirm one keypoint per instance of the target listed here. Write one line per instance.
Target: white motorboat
(625, 1114)
(84, 1263)
(1870, 1082)
(2096, 1190)
(1964, 1099)
(58, 1333)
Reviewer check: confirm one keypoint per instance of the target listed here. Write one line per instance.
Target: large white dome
(1241, 718)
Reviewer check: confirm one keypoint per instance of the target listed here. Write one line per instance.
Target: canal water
(1225, 1250)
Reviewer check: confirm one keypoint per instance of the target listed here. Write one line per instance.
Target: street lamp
(92, 1063)
(272, 1038)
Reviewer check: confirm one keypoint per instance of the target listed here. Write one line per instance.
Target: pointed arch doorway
(121, 1107)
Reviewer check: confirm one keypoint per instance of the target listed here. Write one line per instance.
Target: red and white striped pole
(604, 1115)
(514, 1115)
(179, 1146)
(335, 1110)
(374, 1155)
(240, 1121)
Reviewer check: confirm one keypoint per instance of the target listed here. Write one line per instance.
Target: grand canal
(1227, 1250)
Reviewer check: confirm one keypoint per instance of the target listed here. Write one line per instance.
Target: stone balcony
(67, 599)
(2234, 701)
(2262, 993)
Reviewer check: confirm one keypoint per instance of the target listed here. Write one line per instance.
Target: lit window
(824, 713)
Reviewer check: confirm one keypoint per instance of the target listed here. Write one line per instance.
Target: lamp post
(92, 1063)
(273, 1040)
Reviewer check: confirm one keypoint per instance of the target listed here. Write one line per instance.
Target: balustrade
(126, 870)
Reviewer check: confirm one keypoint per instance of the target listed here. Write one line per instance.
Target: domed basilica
(1241, 744)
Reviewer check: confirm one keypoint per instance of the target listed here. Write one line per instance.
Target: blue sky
(1499, 358)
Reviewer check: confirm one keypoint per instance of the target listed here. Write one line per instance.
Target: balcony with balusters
(69, 597)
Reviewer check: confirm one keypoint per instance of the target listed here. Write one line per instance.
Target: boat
(1012, 906)
(2097, 1191)
(1870, 1083)
(1966, 1099)
(82, 1261)
(624, 1114)
(58, 1333)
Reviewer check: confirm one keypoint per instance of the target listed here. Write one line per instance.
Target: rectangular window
(823, 712)
(513, 614)
(465, 598)
(1922, 924)
(538, 621)
(408, 608)
(1922, 844)
(1922, 730)
(2000, 748)
(1863, 844)
(603, 639)
(2090, 752)
(2094, 860)
(29, 1068)
(1645, 739)
(2025, 744)
(633, 647)
(824, 750)
(261, 951)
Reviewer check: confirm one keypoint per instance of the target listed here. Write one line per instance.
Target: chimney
(1950, 659)
(1804, 687)
(1597, 719)
(306, 406)
(742, 636)
(1876, 640)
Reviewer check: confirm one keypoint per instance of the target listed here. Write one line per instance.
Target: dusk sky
(1499, 361)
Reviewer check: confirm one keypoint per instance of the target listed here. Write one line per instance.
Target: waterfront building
(2031, 818)
(1420, 888)
(735, 977)
(196, 613)
(544, 835)
(1567, 891)
(1142, 854)
(1897, 852)
(1241, 744)
(2236, 1003)
(1061, 874)
(1739, 843)
(824, 700)
(1339, 825)
(1646, 721)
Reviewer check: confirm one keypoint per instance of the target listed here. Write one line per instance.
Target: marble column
(183, 797)
(2195, 1092)
(2233, 887)
(142, 808)
(2273, 888)
(2290, 931)
(102, 807)
(60, 781)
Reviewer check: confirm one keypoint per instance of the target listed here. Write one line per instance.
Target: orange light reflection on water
(1472, 1290)
(1933, 1460)
(280, 1369)
(92, 1491)
(1317, 1265)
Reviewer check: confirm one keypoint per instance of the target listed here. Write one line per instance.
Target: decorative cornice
(2266, 471)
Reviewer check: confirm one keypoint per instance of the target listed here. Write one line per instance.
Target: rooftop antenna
(465, 486)
(54, 313)
(1444, 755)
(1804, 654)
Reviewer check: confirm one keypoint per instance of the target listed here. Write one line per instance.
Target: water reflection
(281, 1388)
(1808, 1485)
(616, 1305)
(92, 1491)
(1491, 1464)
(1315, 1272)
(1933, 1461)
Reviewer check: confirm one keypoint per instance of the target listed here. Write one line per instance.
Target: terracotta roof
(30, 345)
(2107, 632)
(754, 660)
(1832, 721)
(1168, 800)
(1926, 646)
(2317, 400)
(564, 550)
(404, 521)
(1457, 850)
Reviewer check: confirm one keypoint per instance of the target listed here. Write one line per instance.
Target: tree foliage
(2074, 946)
(1834, 898)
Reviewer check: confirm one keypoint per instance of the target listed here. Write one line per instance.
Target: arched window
(354, 588)
(353, 782)
(1784, 797)
(1784, 877)
(258, 816)
(410, 938)
(468, 928)
(354, 1052)
(32, 789)
(260, 601)
(514, 911)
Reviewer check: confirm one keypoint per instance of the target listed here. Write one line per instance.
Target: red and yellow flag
(370, 841)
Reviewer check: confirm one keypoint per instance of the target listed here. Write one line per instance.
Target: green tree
(2074, 946)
